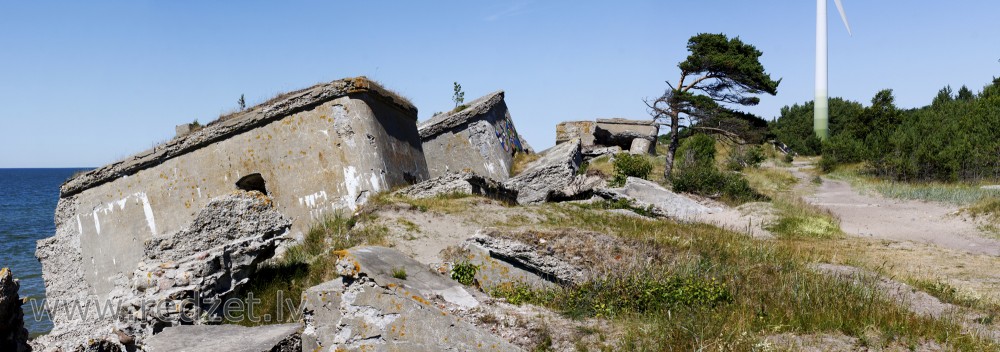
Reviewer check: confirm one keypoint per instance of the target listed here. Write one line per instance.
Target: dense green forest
(956, 137)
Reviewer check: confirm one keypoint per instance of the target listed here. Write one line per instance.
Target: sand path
(897, 220)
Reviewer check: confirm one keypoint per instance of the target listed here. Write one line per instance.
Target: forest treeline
(954, 138)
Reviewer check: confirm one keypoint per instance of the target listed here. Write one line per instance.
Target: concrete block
(480, 138)
(551, 173)
(582, 130)
(640, 146)
(227, 338)
(621, 132)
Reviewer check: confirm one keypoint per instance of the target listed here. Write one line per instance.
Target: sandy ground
(898, 220)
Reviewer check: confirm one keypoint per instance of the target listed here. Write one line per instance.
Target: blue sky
(86, 83)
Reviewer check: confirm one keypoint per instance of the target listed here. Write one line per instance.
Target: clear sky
(83, 83)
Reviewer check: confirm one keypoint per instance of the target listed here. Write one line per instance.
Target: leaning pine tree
(718, 71)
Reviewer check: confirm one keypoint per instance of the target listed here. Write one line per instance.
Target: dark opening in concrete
(252, 182)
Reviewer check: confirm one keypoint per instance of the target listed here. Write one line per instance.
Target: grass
(798, 219)
(771, 286)
(521, 162)
(399, 273)
(769, 182)
(954, 193)
(304, 265)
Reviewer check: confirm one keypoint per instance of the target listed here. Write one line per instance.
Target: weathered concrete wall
(582, 130)
(320, 150)
(481, 138)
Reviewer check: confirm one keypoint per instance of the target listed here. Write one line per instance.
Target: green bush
(744, 157)
(464, 273)
(698, 149)
(706, 180)
(628, 165)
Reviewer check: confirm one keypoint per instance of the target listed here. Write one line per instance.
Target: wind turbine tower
(821, 106)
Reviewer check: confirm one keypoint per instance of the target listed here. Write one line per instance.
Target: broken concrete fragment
(582, 130)
(640, 146)
(582, 187)
(13, 335)
(380, 263)
(659, 200)
(480, 138)
(461, 182)
(227, 338)
(596, 152)
(562, 257)
(184, 274)
(370, 309)
(551, 173)
(622, 132)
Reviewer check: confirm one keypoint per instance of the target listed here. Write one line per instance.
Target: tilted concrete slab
(227, 338)
(319, 150)
(368, 309)
(551, 173)
(480, 138)
(645, 193)
(460, 182)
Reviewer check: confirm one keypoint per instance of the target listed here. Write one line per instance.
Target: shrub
(628, 165)
(464, 273)
(708, 181)
(744, 157)
(698, 149)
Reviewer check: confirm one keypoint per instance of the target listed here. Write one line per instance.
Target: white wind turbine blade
(843, 16)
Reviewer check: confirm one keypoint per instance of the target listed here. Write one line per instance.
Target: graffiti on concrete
(508, 136)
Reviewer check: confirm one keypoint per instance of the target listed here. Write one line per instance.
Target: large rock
(659, 200)
(480, 138)
(227, 338)
(180, 277)
(460, 182)
(374, 307)
(551, 173)
(13, 335)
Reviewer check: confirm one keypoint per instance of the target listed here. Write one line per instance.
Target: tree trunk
(672, 148)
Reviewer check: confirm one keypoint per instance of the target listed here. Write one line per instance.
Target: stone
(368, 309)
(227, 338)
(13, 335)
(659, 200)
(582, 187)
(551, 173)
(460, 182)
(492, 271)
(582, 130)
(621, 132)
(640, 146)
(597, 152)
(480, 138)
(209, 259)
(563, 257)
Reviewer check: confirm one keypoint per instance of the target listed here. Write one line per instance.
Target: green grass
(798, 219)
(954, 193)
(399, 273)
(770, 286)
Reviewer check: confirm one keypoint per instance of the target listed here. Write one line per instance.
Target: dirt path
(898, 220)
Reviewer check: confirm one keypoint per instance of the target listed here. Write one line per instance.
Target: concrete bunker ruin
(314, 151)
(480, 138)
(635, 136)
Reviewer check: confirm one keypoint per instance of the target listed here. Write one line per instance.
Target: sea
(28, 200)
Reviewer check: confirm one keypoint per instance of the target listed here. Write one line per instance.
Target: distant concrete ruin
(318, 150)
(635, 136)
(480, 138)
